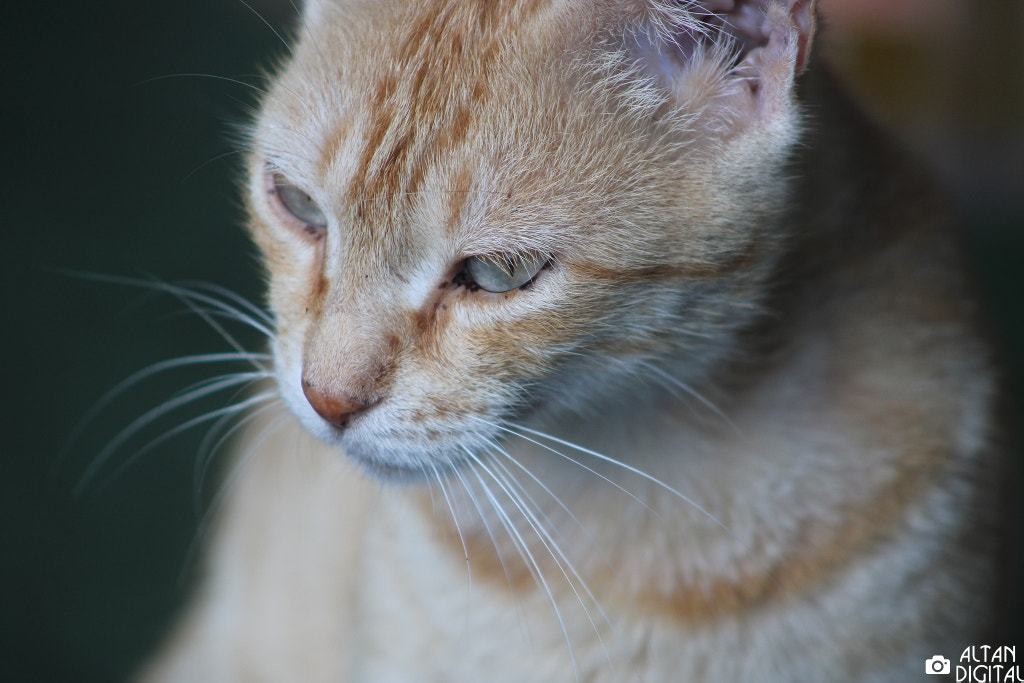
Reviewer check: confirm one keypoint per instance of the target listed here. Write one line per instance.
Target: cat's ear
(747, 53)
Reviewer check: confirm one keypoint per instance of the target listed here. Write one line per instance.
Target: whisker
(189, 299)
(675, 382)
(226, 486)
(644, 475)
(216, 77)
(551, 526)
(640, 473)
(458, 528)
(494, 541)
(153, 414)
(207, 381)
(219, 314)
(270, 26)
(525, 551)
(205, 455)
(514, 490)
(510, 429)
(206, 452)
(544, 487)
(142, 375)
(425, 471)
(208, 162)
(313, 116)
(182, 294)
(228, 294)
(227, 411)
(462, 538)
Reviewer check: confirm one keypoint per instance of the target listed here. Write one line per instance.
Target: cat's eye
(298, 203)
(503, 273)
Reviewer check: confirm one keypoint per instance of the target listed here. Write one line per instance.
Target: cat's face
(409, 150)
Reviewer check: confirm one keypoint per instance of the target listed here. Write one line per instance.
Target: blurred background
(118, 148)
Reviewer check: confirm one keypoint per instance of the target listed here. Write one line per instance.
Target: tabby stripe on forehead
(438, 75)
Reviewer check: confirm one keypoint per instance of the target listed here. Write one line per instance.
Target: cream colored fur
(752, 303)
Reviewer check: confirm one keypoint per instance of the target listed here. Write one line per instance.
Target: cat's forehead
(475, 124)
(411, 110)
(413, 79)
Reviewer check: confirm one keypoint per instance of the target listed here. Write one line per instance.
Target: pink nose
(337, 410)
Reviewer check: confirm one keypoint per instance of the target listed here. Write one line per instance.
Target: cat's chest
(424, 616)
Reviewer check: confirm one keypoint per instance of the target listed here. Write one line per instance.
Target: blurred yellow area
(946, 75)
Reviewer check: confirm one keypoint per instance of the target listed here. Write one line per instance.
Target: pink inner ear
(803, 14)
(747, 22)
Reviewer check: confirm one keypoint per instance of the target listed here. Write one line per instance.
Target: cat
(611, 343)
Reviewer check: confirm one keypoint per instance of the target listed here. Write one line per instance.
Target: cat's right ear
(744, 55)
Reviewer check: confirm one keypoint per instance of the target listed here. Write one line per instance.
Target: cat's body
(746, 297)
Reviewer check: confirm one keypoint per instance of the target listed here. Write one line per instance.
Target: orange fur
(734, 423)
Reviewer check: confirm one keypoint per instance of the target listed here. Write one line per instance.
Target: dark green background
(111, 172)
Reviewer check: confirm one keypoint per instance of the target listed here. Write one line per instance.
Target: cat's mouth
(395, 441)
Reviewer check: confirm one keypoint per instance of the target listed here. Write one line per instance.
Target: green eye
(503, 273)
(298, 203)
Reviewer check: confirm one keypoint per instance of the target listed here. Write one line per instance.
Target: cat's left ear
(747, 51)
(762, 24)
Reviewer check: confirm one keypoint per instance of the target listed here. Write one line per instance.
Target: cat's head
(477, 211)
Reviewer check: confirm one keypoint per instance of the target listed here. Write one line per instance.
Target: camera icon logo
(936, 665)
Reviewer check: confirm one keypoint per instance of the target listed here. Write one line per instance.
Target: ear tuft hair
(745, 24)
(742, 54)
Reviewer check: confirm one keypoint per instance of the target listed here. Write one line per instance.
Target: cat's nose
(337, 409)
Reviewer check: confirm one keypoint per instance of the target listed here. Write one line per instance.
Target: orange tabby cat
(631, 353)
